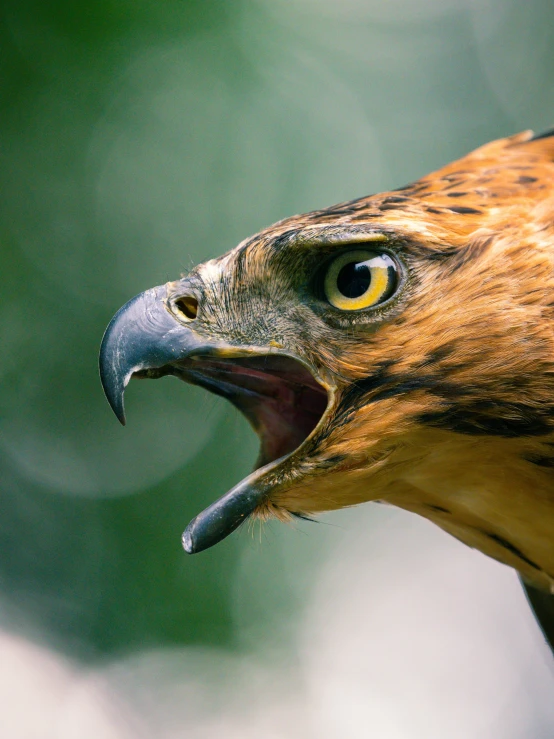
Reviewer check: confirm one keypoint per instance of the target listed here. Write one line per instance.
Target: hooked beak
(142, 336)
(278, 394)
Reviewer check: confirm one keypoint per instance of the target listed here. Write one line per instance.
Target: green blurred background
(139, 137)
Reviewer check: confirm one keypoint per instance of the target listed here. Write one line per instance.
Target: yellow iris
(360, 279)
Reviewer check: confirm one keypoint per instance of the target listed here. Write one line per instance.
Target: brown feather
(457, 421)
(442, 399)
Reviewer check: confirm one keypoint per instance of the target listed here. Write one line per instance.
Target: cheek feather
(212, 271)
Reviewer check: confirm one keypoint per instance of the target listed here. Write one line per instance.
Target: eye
(360, 279)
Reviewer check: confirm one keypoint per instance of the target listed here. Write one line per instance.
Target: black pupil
(354, 279)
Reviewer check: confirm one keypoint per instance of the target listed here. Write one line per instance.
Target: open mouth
(278, 395)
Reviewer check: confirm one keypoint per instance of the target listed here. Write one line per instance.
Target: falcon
(395, 348)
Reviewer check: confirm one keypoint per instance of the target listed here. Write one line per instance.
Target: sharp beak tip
(112, 386)
(115, 399)
(116, 404)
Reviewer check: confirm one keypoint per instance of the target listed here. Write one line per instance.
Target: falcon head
(398, 348)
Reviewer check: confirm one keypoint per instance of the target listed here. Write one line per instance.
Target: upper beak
(143, 335)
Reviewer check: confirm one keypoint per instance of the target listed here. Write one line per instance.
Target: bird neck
(494, 494)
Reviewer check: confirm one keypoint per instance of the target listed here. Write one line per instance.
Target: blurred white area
(46, 697)
(404, 634)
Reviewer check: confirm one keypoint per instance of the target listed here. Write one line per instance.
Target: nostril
(188, 306)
